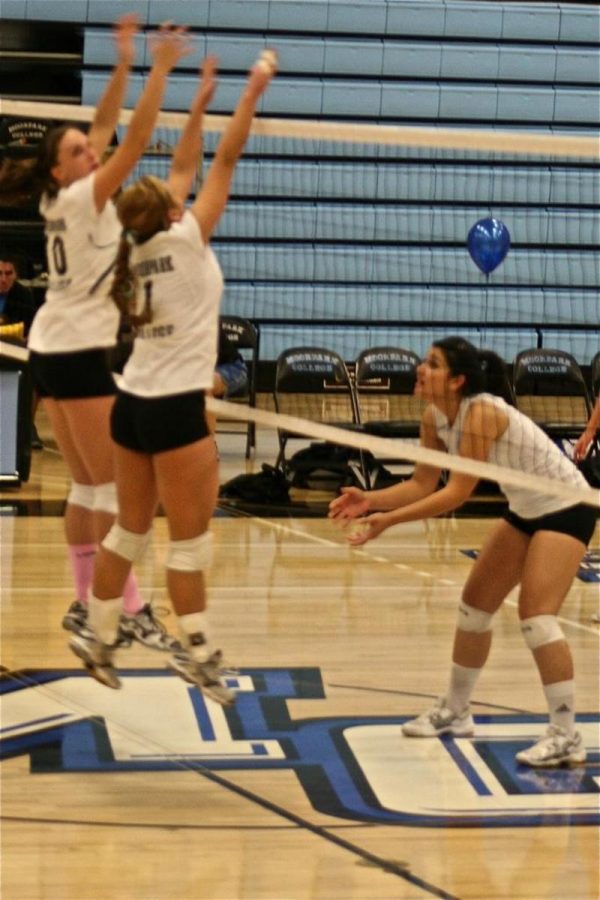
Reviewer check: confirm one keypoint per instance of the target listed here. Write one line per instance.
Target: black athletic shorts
(155, 424)
(578, 521)
(71, 376)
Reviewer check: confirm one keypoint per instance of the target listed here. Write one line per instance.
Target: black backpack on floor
(267, 486)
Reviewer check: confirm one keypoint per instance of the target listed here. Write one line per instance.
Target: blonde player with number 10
(75, 325)
(164, 448)
(539, 543)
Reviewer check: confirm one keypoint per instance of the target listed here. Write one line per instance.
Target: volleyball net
(354, 236)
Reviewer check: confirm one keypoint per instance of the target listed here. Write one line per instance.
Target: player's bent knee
(81, 495)
(474, 620)
(125, 543)
(105, 498)
(540, 630)
(192, 555)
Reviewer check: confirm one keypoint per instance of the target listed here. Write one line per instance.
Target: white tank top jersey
(80, 245)
(180, 277)
(524, 447)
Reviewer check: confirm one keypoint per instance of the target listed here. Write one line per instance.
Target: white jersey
(524, 447)
(81, 243)
(180, 280)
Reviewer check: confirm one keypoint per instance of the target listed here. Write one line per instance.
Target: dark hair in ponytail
(483, 370)
(24, 180)
(143, 209)
(123, 288)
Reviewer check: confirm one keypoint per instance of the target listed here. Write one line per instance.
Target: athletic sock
(193, 628)
(462, 682)
(560, 698)
(104, 618)
(132, 599)
(82, 558)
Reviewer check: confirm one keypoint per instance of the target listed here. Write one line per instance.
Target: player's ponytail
(483, 370)
(124, 287)
(494, 373)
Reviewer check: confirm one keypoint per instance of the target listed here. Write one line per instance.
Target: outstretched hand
(368, 528)
(351, 503)
(169, 44)
(124, 34)
(263, 71)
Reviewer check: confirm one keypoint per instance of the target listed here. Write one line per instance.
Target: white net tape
(384, 447)
(575, 145)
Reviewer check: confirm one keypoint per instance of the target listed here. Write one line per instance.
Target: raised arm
(169, 46)
(212, 199)
(188, 150)
(108, 109)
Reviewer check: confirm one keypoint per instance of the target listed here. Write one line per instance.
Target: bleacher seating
(340, 244)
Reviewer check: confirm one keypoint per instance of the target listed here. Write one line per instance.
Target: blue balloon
(488, 242)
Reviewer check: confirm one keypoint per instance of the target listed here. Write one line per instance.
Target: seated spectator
(16, 301)
(17, 306)
(231, 373)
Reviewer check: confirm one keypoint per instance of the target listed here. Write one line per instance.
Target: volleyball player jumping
(75, 325)
(164, 449)
(538, 544)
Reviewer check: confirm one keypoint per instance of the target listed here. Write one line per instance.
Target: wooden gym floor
(307, 788)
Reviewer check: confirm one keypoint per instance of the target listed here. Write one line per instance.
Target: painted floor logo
(358, 767)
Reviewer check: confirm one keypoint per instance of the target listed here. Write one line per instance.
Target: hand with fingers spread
(124, 33)
(351, 504)
(168, 45)
(368, 528)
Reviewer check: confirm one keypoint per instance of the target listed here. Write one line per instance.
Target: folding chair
(550, 388)
(385, 381)
(242, 335)
(312, 383)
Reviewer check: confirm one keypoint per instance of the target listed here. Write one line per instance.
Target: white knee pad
(472, 619)
(105, 498)
(192, 555)
(540, 630)
(81, 495)
(125, 543)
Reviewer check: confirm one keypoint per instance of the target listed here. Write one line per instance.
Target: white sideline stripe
(396, 448)
(448, 138)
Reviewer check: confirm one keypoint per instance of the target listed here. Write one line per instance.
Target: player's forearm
(397, 495)
(189, 149)
(236, 134)
(109, 107)
(147, 108)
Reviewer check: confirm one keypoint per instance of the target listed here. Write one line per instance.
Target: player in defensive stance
(538, 544)
(168, 280)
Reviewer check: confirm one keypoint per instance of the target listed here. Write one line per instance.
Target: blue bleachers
(367, 234)
(583, 345)
(368, 222)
